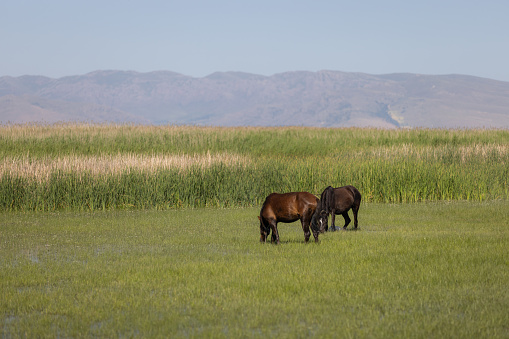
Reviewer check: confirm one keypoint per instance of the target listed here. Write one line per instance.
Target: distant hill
(325, 98)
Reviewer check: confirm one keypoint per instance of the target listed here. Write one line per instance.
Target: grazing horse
(338, 201)
(288, 207)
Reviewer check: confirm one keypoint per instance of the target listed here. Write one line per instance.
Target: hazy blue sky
(196, 38)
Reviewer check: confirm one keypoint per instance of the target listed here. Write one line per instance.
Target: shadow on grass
(341, 229)
(289, 241)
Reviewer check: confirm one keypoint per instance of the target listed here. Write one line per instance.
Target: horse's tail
(357, 196)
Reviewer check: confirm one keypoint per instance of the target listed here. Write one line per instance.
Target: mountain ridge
(321, 99)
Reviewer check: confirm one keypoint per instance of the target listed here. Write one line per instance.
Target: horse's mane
(327, 199)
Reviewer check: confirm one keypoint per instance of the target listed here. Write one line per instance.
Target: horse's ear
(259, 218)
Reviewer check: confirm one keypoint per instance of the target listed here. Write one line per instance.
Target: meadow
(152, 231)
(416, 270)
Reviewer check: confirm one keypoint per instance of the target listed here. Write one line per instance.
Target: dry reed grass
(41, 169)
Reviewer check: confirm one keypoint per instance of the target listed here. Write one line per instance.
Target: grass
(151, 231)
(94, 139)
(89, 167)
(437, 269)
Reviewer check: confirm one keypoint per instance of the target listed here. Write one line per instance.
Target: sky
(57, 38)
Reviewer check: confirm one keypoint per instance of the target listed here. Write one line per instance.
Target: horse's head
(319, 219)
(264, 230)
(323, 220)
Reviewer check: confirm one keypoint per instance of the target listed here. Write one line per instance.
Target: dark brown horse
(338, 201)
(288, 207)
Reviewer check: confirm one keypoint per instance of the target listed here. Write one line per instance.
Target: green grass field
(152, 231)
(437, 269)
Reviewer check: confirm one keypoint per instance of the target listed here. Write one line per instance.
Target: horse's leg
(355, 210)
(315, 234)
(333, 222)
(305, 228)
(275, 234)
(264, 231)
(347, 219)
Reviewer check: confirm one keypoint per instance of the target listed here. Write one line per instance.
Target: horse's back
(307, 198)
(288, 207)
(278, 199)
(347, 196)
(354, 191)
(276, 206)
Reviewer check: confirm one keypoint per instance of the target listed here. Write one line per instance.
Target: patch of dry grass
(41, 169)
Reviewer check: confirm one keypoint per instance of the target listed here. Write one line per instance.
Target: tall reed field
(123, 166)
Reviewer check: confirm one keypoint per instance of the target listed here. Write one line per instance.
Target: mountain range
(321, 99)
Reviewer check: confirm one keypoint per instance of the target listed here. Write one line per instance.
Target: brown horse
(338, 201)
(288, 207)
